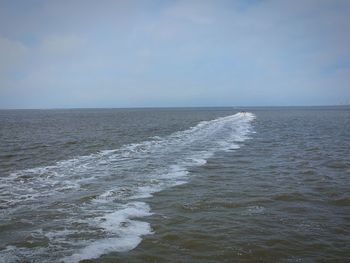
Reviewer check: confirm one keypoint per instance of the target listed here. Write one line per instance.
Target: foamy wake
(100, 195)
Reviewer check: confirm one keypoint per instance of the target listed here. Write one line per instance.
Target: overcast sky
(58, 54)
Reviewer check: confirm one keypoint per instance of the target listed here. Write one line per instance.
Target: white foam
(126, 232)
(251, 210)
(119, 177)
(8, 255)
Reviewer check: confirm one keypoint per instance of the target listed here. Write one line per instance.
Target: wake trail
(101, 194)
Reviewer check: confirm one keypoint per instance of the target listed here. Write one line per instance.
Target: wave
(99, 196)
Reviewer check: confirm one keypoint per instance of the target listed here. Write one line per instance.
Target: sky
(91, 54)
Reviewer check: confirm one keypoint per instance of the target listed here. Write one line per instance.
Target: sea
(175, 185)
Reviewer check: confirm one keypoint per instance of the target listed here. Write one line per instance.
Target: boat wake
(95, 202)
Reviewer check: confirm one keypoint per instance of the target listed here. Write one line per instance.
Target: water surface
(185, 185)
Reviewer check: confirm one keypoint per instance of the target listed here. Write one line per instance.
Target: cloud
(12, 53)
(195, 11)
(75, 53)
(61, 45)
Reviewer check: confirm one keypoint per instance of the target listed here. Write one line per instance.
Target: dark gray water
(175, 185)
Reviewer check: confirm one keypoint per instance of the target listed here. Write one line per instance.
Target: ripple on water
(294, 196)
(341, 202)
(336, 164)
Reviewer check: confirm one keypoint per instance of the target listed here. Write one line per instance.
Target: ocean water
(175, 185)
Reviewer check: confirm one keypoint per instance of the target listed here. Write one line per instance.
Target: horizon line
(181, 107)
